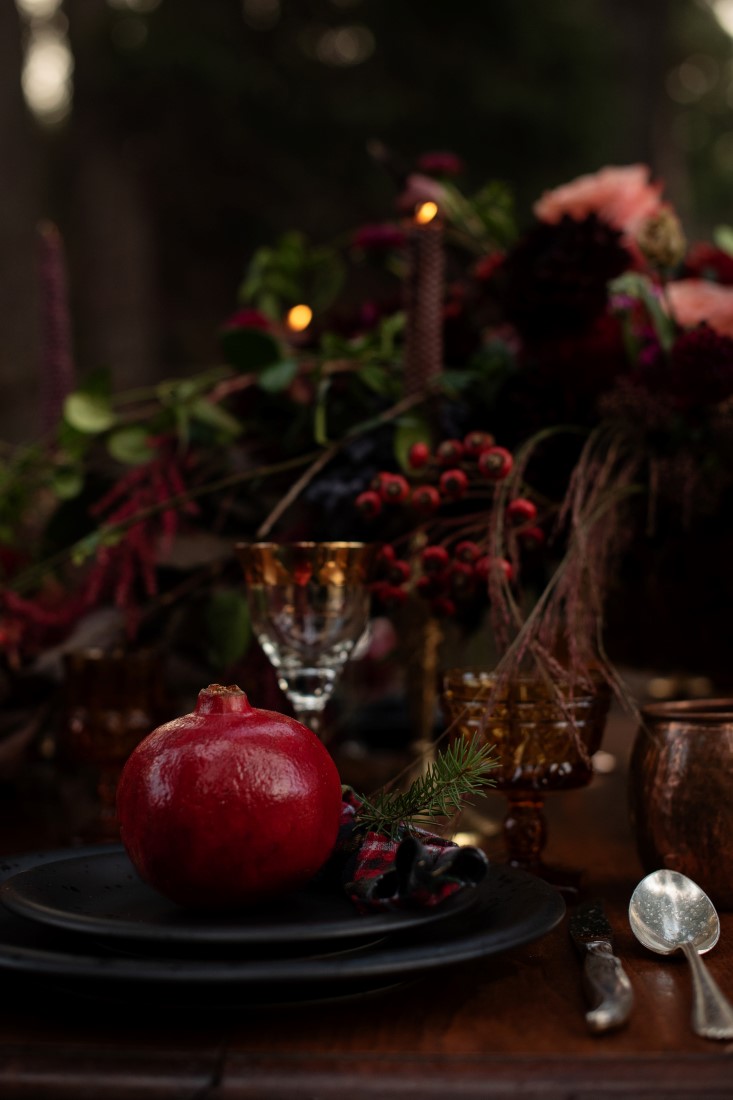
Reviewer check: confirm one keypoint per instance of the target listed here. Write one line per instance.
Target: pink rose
(623, 197)
(696, 300)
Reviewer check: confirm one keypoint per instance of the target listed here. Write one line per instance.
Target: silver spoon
(668, 911)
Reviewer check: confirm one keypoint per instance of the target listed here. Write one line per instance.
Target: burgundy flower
(248, 318)
(705, 261)
(701, 367)
(440, 164)
(379, 238)
(485, 268)
(556, 278)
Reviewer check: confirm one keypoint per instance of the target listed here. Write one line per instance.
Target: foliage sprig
(458, 772)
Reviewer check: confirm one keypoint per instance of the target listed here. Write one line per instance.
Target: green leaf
(130, 445)
(376, 378)
(86, 548)
(390, 328)
(723, 237)
(638, 286)
(334, 346)
(228, 628)
(276, 378)
(455, 382)
(88, 413)
(320, 415)
(71, 441)
(207, 412)
(67, 481)
(250, 349)
(410, 430)
(326, 280)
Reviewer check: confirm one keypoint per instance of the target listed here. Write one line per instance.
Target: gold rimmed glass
(309, 603)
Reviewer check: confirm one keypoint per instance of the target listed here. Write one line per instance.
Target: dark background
(194, 131)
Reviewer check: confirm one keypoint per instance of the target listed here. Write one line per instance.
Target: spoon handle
(712, 1012)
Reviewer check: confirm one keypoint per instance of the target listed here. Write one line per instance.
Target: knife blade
(606, 984)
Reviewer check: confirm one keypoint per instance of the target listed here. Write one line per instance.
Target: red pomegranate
(228, 805)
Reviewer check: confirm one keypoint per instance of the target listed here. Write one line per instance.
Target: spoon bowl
(668, 909)
(669, 912)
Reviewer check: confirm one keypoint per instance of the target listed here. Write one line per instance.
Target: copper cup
(680, 783)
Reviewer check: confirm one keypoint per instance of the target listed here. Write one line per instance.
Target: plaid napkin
(418, 869)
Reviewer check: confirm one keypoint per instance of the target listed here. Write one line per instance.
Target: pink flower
(623, 197)
(696, 300)
(419, 189)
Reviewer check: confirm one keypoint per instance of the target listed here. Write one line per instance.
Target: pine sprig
(459, 771)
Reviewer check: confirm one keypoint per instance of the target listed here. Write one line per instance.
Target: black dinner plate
(512, 908)
(100, 894)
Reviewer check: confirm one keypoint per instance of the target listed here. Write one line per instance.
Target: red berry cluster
(452, 568)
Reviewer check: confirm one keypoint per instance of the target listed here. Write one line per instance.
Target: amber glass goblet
(544, 734)
(309, 603)
(112, 700)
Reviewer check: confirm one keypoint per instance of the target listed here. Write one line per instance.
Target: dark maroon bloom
(379, 238)
(248, 318)
(701, 367)
(440, 164)
(705, 261)
(556, 278)
(487, 267)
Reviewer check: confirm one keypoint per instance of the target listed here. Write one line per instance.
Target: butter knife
(607, 987)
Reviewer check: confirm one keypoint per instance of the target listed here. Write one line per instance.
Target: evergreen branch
(461, 770)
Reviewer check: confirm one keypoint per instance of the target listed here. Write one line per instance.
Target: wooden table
(510, 1026)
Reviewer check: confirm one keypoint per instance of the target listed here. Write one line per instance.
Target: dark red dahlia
(248, 318)
(440, 164)
(701, 368)
(556, 278)
(705, 261)
(379, 238)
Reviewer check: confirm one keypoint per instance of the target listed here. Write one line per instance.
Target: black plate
(101, 895)
(512, 908)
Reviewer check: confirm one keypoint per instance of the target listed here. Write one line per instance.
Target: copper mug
(680, 784)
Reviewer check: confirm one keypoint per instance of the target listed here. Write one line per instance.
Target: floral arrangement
(594, 344)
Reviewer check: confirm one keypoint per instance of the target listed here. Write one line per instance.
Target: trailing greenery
(458, 772)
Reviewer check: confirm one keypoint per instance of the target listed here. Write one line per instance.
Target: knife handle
(608, 989)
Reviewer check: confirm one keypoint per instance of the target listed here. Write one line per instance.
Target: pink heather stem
(57, 365)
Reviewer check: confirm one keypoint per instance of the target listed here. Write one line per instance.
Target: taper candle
(424, 298)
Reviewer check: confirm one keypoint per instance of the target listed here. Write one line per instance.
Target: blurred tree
(20, 190)
(198, 131)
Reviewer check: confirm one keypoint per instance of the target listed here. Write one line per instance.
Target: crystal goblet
(309, 603)
(544, 732)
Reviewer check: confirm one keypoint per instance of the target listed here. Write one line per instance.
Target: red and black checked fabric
(418, 869)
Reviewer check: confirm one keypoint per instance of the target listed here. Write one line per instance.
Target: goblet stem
(525, 829)
(311, 718)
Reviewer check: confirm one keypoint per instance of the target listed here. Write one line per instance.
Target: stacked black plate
(82, 918)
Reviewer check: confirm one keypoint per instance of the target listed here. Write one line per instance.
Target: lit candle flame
(426, 212)
(299, 317)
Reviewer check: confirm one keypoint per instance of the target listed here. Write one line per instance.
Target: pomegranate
(229, 805)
